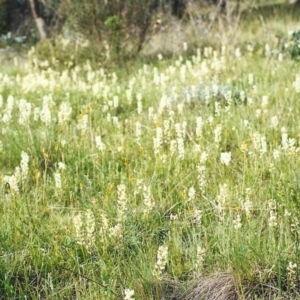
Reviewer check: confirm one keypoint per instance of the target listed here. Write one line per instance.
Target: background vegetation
(125, 26)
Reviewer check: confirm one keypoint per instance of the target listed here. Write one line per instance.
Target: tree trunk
(39, 21)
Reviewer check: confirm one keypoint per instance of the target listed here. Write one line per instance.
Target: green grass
(241, 220)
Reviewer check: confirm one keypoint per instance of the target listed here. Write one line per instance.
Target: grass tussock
(214, 287)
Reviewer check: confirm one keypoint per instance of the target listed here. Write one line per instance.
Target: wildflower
(242, 96)
(128, 294)
(287, 213)
(228, 98)
(284, 139)
(250, 100)
(217, 133)
(10, 102)
(200, 257)
(151, 115)
(250, 79)
(162, 256)
(247, 207)
(210, 120)
(180, 148)
(203, 157)
(207, 51)
(237, 53)
(158, 140)
(139, 186)
(264, 102)
(173, 217)
(8, 111)
(128, 93)
(138, 132)
(173, 146)
(296, 84)
(83, 123)
(167, 132)
(185, 46)
(263, 147)
(64, 113)
(256, 140)
(12, 182)
(258, 113)
(267, 50)
(25, 111)
(37, 174)
(104, 225)
(274, 122)
(201, 177)
(63, 142)
(147, 195)
(272, 213)
(225, 158)
(99, 144)
(164, 158)
(197, 216)
(18, 174)
(199, 125)
(115, 101)
(180, 108)
(222, 198)
(45, 113)
(115, 121)
(192, 193)
(237, 223)
(122, 201)
(217, 108)
(272, 218)
(84, 224)
(116, 231)
(246, 123)
(287, 144)
(61, 166)
(24, 165)
(57, 178)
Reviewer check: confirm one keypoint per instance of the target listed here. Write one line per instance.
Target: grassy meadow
(178, 179)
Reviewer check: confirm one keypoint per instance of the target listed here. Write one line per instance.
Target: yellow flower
(238, 208)
(37, 174)
(244, 146)
(45, 154)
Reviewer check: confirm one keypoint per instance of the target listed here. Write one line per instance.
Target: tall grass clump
(178, 180)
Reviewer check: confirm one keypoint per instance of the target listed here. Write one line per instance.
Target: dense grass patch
(177, 180)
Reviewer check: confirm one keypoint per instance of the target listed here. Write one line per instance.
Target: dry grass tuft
(224, 286)
(216, 287)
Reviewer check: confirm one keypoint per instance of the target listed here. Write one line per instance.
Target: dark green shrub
(123, 25)
(294, 47)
